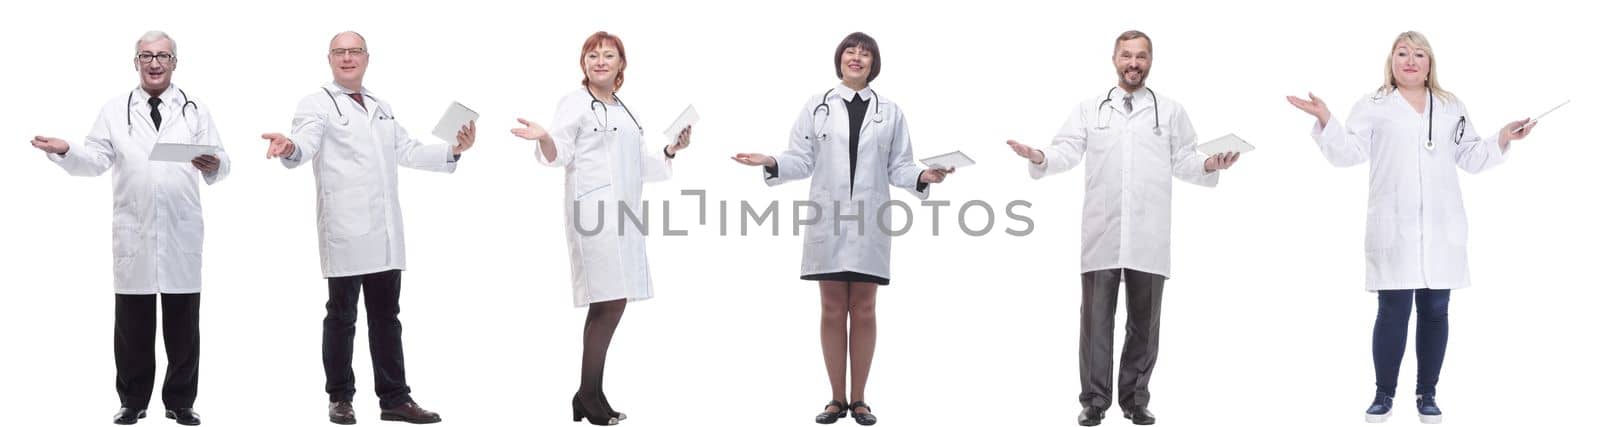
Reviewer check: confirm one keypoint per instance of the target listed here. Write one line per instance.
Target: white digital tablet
(953, 159)
(455, 118)
(180, 152)
(685, 119)
(1227, 143)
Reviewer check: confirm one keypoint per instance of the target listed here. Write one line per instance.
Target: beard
(1136, 81)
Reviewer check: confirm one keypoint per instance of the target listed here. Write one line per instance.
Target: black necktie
(155, 111)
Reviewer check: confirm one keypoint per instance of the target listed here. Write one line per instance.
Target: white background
(1265, 323)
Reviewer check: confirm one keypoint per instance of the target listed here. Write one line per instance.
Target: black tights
(597, 331)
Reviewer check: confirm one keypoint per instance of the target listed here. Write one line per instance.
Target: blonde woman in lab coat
(601, 145)
(1414, 135)
(854, 145)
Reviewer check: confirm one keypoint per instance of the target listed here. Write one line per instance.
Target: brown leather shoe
(409, 412)
(341, 413)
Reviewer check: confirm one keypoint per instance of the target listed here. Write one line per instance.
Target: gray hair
(153, 36)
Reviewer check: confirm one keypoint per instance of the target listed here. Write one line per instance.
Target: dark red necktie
(357, 97)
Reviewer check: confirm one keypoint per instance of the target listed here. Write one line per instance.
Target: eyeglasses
(354, 51)
(163, 57)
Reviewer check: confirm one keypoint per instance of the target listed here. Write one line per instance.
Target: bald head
(351, 38)
(347, 55)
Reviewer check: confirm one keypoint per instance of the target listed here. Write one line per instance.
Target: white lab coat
(607, 164)
(1416, 222)
(157, 229)
(847, 236)
(1127, 197)
(356, 160)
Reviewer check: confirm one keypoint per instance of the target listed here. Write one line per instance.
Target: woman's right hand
(755, 159)
(1313, 106)
(531, 131)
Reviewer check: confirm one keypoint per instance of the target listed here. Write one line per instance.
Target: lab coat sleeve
(310, 121)
(564, 130)
(91, 157)
(1066, 150)
(1346, 144)
(224, 165)
(1476, 153)
(414, 154)
(903, 169)
(799, 160)
(654, 166)
(1189, 164)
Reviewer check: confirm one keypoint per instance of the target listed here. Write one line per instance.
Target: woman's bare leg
(835, 335)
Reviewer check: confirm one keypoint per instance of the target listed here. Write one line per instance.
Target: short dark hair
(858, 40)
(1132, 35)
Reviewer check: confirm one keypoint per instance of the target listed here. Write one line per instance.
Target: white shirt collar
(336, 87)
(847, 94)
(168, 97)
(1141, 96)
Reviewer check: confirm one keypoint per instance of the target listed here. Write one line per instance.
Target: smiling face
(602, 65)
(1132, 60)
(1410, 64)
(855, 65)
(347, 56)
(155, 75)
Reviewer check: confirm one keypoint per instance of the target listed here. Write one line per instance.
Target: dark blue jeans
(1389, 336)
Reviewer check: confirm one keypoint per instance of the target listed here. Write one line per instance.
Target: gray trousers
(1095, 337)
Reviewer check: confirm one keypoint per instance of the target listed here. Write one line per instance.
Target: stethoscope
(822, 107)
(1461, 123)
(183, 112)
(1099, 112)
(346, 120)
(594, 103)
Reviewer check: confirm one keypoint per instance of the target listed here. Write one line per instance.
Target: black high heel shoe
(830, 417)
(865, 419)
(581, 411)
(607, 404)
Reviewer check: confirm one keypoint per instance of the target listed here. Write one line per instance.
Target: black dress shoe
(1140, 415)
(341, 413)
(1091, 416)
(863, 418)
(830, 417)
(127, 416)
(409, 412)
(185, 416)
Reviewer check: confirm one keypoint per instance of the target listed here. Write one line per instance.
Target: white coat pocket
(125, 240)
(1381, 233)
(348, 212)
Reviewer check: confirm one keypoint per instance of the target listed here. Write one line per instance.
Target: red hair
(595, 41)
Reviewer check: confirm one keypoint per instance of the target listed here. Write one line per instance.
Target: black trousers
(135, 349)
(382, 291)
(1095, 337)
